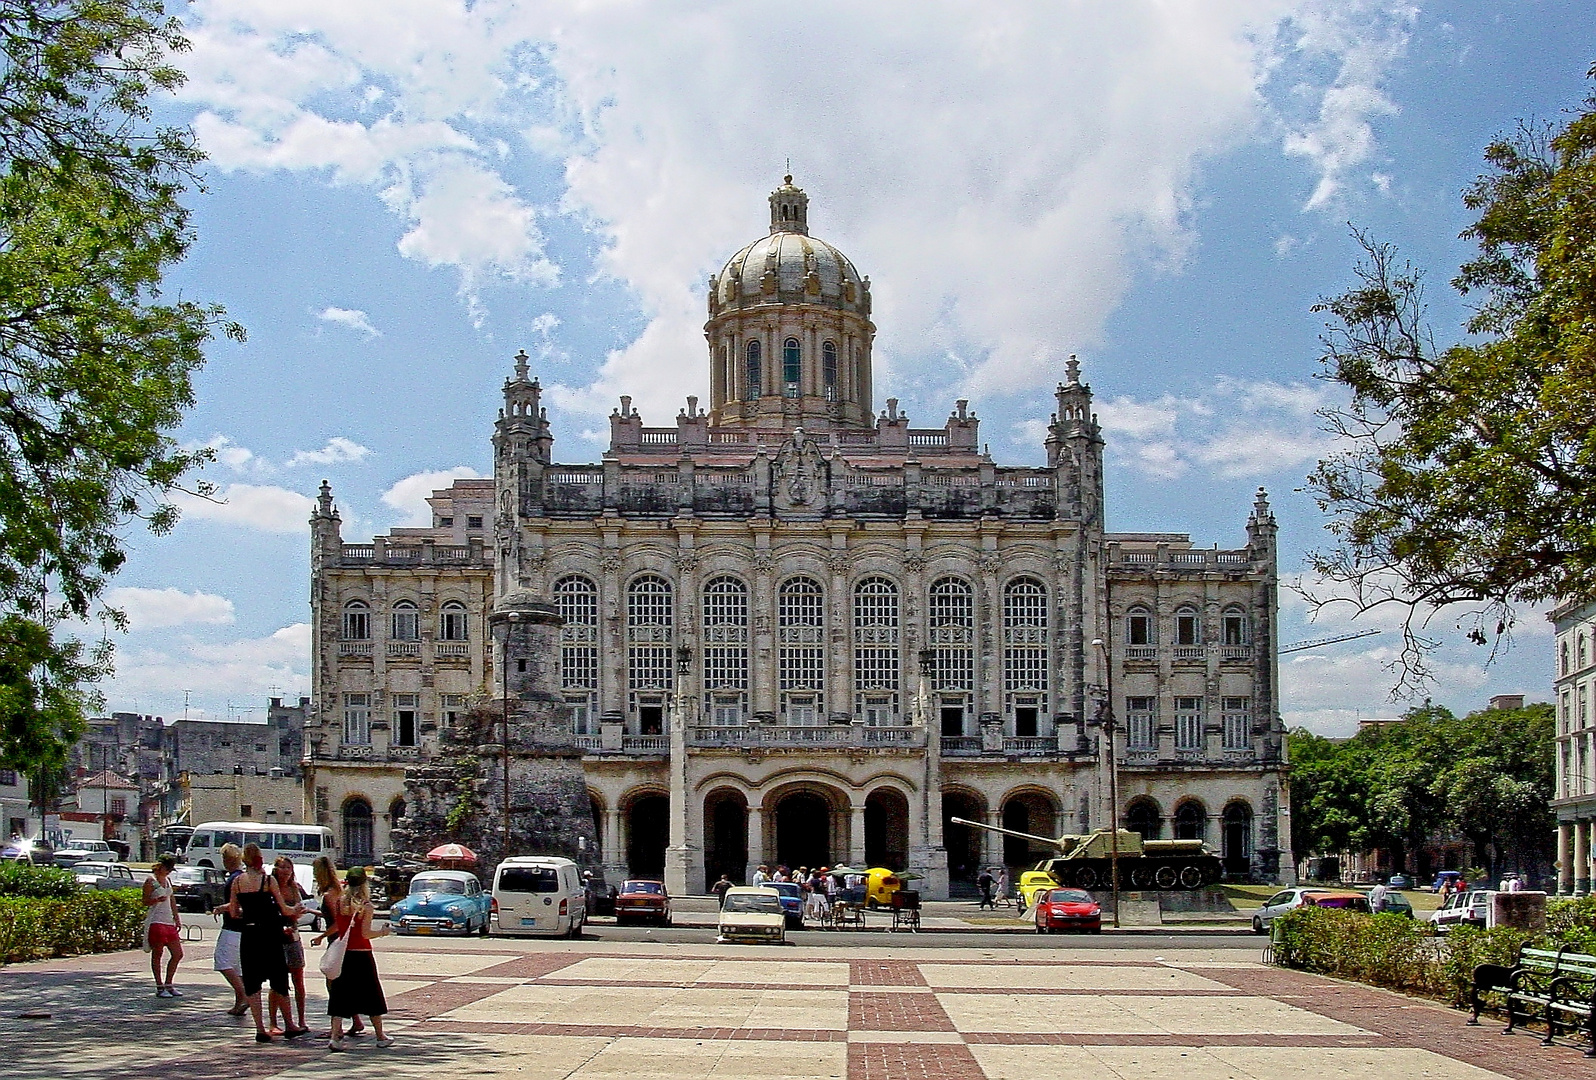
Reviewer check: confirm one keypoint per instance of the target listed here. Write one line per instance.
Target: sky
(402, 193)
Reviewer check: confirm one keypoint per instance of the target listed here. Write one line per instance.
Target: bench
(1557, 987)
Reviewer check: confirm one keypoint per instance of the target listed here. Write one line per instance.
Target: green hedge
(96, 921)
(39, 882)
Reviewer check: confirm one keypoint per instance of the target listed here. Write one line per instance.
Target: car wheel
(1257, 925)
(482, 931)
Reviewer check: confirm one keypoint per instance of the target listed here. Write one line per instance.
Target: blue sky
(401, 194)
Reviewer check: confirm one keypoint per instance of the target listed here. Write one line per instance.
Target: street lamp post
(510, 619)
(1113, 773)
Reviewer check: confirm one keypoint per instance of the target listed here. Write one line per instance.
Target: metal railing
(1030, 745)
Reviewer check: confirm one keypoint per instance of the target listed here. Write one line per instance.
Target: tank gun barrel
(1051, 841)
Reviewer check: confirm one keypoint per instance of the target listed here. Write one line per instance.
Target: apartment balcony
(354, 650)
(827, 736)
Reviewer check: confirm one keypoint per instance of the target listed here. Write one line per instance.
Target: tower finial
(521, 361)
(789, 209)
(1073, 368)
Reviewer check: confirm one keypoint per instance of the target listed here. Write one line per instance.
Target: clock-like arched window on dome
(755, 364)
(791, 366)
(828, 368)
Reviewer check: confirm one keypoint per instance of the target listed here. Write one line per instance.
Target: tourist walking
(330, 891)
(293, 948)
(162, 925)
(720, 888)
(985, 883)
(259, 905)
(357, 991)
(226, 959)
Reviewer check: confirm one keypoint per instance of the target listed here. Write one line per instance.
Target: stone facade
(799, 630)
(1574, 803)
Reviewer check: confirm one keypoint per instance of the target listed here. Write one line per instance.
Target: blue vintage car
(442, 902)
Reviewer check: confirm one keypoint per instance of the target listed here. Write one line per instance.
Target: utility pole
(1113, 772)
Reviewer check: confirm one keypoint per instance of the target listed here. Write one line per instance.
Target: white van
(301, 843)
(539, 894)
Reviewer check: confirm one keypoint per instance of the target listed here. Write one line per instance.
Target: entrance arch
(359, 839)
(962, 842)
(725, 835)
(1028, 812)
(804, 830)
(647, 834)
(1238, 839)
(1142, 816)
(886, 829)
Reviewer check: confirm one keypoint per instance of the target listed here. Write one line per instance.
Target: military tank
(1083, 862)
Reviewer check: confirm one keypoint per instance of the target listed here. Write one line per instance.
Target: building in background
(800, 630)
(16, 812)
(1573, 683)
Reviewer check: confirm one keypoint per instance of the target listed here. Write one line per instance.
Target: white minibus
(301, 843)
(539, 894)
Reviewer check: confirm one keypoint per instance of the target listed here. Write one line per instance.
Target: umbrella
(909, 875)
(845, 870)
(452, 853)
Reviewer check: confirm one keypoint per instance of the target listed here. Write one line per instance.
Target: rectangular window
(1026, 719)
(1188, 723)
(473, 521)
(1141, 715)
(802, 711)
(405, 719)
(726, 711)
(452, 625)
(1237, 724)
(8, 777)
(1141, 629)
(119, 806)
(453, 706)
(357, 719)
(445, 522)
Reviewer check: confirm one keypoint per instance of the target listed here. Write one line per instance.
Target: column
(1565, 859)
(1581, 858)
(991, 842)
(614, 857)
(856, 837)
(756, 838)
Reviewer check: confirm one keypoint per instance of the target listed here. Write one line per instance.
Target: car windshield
(438, 884)
(92, 868)
(652, 887)
(528, 879)
(189, 875)
(748, 903)
(1069, 896)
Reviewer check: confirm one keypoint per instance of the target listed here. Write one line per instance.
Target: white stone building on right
(1574, 798)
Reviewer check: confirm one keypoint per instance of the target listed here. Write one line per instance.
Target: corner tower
(789, 330)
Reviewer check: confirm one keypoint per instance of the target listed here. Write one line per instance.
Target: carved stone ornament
(764, 564)
(991, 562)
(840, 564)
(610, 564)
(914, 564)
(686, 561)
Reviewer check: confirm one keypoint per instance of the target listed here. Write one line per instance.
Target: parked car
(1399, 881)
(1068, 909)
(539, 894)
(1034, 884)
(752, 914)
(442, 902)
(85, 850)
(1397, 904)
(600, 893)
(104, 875)
(880, 884)
(35, 851)
(792, 901)
(643, 899)
(1301, 896)
(198, 888)
(1462, 909)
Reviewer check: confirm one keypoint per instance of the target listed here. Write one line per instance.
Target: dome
(790, 266)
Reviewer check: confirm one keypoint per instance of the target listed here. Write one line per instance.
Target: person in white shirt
(1377, 897)
(761, 875)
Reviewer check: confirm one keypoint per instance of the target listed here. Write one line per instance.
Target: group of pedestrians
(821, 886)
(994, 888)
(258, 944)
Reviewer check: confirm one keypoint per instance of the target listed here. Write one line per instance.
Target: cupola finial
(789, 208)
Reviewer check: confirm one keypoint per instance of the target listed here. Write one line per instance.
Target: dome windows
(755, 369)
(791, 367)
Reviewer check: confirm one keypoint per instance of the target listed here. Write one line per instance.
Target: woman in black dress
(357, 991)
(259, 903)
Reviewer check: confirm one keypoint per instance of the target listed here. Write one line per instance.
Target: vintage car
(880, 884)
(84, 851)
(792, 901)
(752, 915)
(105, 875)
(199, 888)
(1034, 884)
(442, 902)
(1068, 909)
(640, 900)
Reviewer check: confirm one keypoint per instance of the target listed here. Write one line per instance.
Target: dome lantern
(789, 209)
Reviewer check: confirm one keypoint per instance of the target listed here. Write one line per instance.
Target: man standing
(719, 889)
(1377, 897)
(985, 883)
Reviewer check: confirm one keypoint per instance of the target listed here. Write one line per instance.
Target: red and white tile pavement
(608, 1011)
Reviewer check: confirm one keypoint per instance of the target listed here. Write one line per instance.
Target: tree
(1470, 473)
(95, 371)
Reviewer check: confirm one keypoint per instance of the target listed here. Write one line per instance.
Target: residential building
(1574, 801)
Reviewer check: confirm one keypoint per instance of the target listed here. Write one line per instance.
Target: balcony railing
(1031, 746)
(359, 649)
(841, 735)
(646, 744)
(1141, 652)
(1235, 652)
(403, 649)
(960, 745)
(452, 650)
(1190, 653)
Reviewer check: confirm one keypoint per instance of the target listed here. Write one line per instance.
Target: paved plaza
(603, 1009)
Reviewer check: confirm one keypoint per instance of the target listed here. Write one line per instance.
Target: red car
(641, 900)
(1068, 909)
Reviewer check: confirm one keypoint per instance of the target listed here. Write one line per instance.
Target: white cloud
(152, 609)
(252, 506)
(1001, 171)
(353, 318)
(409, 496)
(337, 450)
(245, 670)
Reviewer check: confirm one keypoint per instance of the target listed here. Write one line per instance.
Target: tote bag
(332, 961)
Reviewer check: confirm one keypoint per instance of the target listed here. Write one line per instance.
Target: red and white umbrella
(452, 853)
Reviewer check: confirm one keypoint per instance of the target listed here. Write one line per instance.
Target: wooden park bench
(1557, 987)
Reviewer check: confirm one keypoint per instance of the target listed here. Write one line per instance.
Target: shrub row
(39, 882)
(1400, 953)
(33, 928)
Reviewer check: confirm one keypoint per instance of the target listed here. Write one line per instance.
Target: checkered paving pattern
(597, 1010)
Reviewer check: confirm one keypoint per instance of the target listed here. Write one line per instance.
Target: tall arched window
(875, 651)
(725, 663)
(357, 621)
(358, 839)
(1139, 627)
(453, 624)
(801, 650)
(651, 665)
(1025, 667)
(791, 366)
(755, 371)
(1188, 631)
(828, 368)
(950, 618)
(1191, 821)
(1142, 816)
(406, 622)
(1234, 626)
(576, 599)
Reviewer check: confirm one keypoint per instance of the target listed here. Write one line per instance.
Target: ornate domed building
(798, 629)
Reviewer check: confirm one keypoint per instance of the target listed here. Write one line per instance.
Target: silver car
(1463, 909)
(104, 875)
(1299, 896)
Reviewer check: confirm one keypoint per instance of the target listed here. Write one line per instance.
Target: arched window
(951, 628)
(1579, 655)
(396, 810)
(1139, 627)
(755, 371)
(1142, 816)
(1025, 668)
(1236, 841)
(406, 622)
(801, 650)
(576, 599)
(725, 664)
(453, 625)
(1187, 629)
(1191, 821)
(357, 621)
(649, 621)
(1234, 626)
(1564, 670)
(828, 368)
(875, 651)
(358, 839)
(791, 366)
